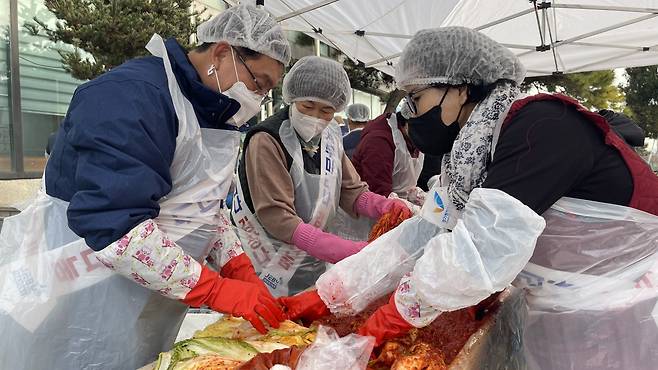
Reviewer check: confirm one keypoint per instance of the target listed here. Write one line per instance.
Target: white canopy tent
(559, 36)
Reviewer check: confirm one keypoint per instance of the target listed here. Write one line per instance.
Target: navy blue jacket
(116, 144)
(351, 141)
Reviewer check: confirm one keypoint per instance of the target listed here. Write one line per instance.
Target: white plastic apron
(348, 227)
(62, 309)
(283, 267)
(406, 169)
(592, 287)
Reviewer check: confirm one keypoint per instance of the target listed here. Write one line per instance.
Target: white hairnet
(455, 56)
(358, 112)
(317, 79)
(250, 27)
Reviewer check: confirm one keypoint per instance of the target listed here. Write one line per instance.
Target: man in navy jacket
(110, 182)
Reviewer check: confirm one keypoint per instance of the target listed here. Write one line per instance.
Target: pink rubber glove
(373, 205)
(324, 246)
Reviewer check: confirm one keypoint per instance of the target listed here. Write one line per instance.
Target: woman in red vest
(590, 285)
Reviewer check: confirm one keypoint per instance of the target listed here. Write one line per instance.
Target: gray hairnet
(249, 27)
(317, 79)
(455, 56)
(358, 112)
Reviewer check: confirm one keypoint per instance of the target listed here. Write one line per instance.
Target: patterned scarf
(465, 167)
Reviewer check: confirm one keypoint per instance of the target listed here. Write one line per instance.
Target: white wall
(372, 101)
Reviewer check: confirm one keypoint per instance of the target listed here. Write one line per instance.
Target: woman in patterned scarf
(463, 89)
(557, 158)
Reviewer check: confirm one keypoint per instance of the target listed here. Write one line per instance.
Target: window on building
(45, 90)
(5, 100)
(372, 101)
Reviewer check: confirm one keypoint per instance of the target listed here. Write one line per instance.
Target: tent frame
(541, 10)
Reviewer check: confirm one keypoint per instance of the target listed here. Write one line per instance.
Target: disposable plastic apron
(406, 169)
(62, 309)
(592, 287)
(283, 267)
(348, 227)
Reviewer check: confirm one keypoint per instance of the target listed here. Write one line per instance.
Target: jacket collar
(212, 109)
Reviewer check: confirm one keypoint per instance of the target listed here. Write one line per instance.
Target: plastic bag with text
(329, 352)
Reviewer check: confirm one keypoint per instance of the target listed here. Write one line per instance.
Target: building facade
(35, 90)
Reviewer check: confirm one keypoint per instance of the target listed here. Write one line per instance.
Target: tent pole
(604, 60)
(628, 47)
(391, 35)
(504, 19)
(373, 47)
(606, 29)
(599, 31)
(599, 7)
(377, 61)
(303, 10)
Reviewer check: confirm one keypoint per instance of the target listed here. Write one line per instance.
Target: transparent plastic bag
(350, 285)
(329, 352)
(592, 289)
(490, 245)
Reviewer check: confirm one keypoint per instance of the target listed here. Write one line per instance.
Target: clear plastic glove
(373, 205)
(416, 196)
(415, 209)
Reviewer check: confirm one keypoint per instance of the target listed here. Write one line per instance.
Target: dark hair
(245, 52)
(204, 47)
(400, 118)
(476, 93)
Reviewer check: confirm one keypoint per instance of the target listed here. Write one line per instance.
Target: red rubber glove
(235, 297)
(386, 323)
(241, 268)
(306, 306)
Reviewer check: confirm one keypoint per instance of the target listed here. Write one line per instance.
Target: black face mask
(430, 135)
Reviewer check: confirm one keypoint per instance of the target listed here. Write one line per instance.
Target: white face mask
(307, 127)
(249, 100)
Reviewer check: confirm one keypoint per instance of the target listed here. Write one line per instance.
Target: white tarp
(561, 35)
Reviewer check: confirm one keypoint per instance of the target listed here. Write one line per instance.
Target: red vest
(645, 182)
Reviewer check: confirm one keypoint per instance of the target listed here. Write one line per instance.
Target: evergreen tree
(642, 97)
(595, 90)
(113, 31)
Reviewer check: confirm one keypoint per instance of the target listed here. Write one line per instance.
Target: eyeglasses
(259, 90)
(410, 98)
